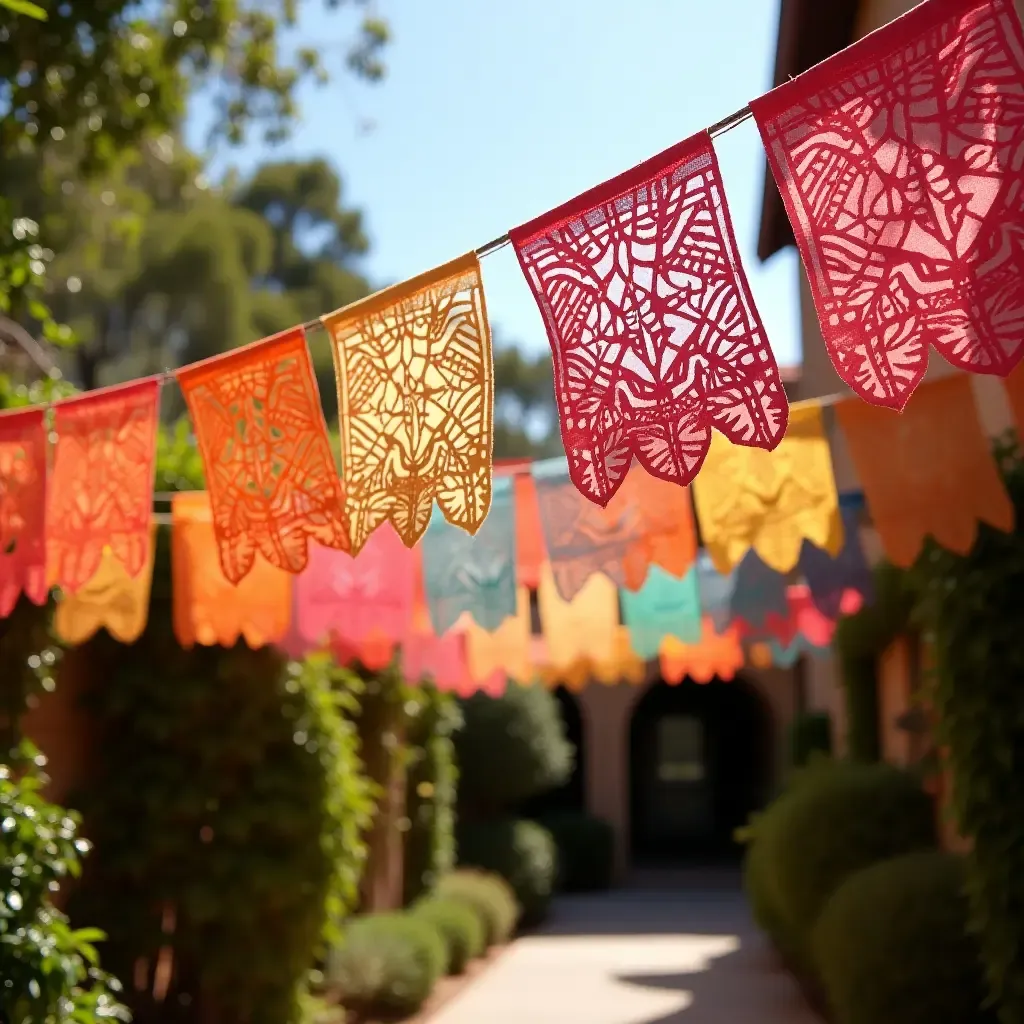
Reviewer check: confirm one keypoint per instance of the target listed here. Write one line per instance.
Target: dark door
(699, 764)
(673, 807)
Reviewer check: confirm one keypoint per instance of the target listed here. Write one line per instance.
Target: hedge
(521, 852)
(836, 818)
(510, 749)
(892, 946)
(489, 896)
(586, 850)
(388, 964)
(459, 925)
(244, 810)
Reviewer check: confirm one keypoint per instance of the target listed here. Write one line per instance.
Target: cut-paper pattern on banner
(718, 655)
(22, 508)
(787, 655)
(929, 471)
(416, 403)
(899, 164)
(101, 488)
(208, 609)
(531, 554)
(440, 660)
(663, 606)
(506, 650)
(624, 666)
(758, 592)
(830, 578)
(360, 606)
(802, 618)
(716, 590)
(443, 662)
(270, 474)
(581, 628)
(770, 501)
(473, 573)
(111, 600)
(653, 329)
(647, 522)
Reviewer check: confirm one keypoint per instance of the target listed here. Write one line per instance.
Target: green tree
(525, 417)
(156, 268)
(92, 97)
(113, 72)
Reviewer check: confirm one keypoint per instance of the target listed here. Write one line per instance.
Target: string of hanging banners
(905, 213)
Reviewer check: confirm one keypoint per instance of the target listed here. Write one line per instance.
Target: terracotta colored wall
(606, 713)
(895, 686)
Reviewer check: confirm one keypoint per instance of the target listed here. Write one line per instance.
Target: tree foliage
(154, 268)
(147, 263)
(525, 417)
(110, 73)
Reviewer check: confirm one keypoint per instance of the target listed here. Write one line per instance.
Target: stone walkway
(668, 950)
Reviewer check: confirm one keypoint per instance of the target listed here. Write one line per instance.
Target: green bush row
(512, 749)
(843, 873)
(388, 964)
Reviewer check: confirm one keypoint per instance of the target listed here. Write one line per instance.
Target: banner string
(736, 118)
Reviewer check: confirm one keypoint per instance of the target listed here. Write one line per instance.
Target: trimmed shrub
(523, 853)
(387, 965)
(892, 946)
(489, 896)
(836, 818)
(810, 734)
(758, 877)
(458, 925)
(510, 749)
(586, 850)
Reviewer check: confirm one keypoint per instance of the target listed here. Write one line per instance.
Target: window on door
(680, 749)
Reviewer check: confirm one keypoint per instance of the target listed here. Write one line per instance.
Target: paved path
(647, 954)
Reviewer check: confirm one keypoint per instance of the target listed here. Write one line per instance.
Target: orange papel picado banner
(416, 403)
(927, 471)
(272, 483)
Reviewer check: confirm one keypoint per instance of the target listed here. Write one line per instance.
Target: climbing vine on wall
(973, 610)
(228, 804)
(431, 789)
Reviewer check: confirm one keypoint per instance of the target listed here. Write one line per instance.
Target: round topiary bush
(458, 925)
(387, 965)
(510, 749)
(489, 896)
(836, 819)
(523, 853)
(586, 850)
(892, 946)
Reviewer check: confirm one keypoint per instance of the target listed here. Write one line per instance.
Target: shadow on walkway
(747, 986)
(680, 950)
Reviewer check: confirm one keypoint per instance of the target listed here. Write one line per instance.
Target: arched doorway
(700, 763)
(571, 796)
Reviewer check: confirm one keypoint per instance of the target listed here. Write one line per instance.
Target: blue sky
(492, 113)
